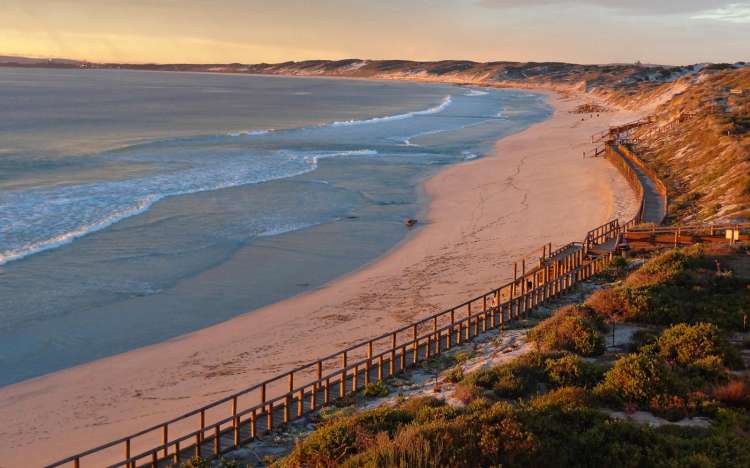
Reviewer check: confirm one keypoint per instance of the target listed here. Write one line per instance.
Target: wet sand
(482, 215)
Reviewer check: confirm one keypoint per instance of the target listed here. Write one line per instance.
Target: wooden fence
(240, 417)
(661, 187)
(675, 236)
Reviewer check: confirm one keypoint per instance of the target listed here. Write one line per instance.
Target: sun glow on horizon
(250, 31)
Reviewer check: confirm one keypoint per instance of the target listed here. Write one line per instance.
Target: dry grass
(705, 159)
(734, 393)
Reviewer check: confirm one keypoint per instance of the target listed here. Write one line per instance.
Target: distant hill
(13, 59)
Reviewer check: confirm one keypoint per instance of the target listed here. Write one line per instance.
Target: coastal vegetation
(676, 394)
(700, 142)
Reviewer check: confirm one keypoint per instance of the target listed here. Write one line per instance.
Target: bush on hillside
(636, 378)
(563, 398)
(376, 390)
(609, 303)
(571, 370)
(467, 393)
(680, 286)
(556, 429)
(734, 393)
(701, 344)
(342, 437)
(492, 437)
(200, 462)
(576, 329)
(455, 375)
(522, 376)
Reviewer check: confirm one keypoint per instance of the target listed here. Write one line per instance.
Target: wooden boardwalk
(655, 198)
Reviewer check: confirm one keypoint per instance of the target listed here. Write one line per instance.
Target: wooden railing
(240, 417)
(661, 187)
(624, 159)
(706, 229)
(237, 419)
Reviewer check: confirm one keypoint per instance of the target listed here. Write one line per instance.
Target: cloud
(627, 6)
(733, 13)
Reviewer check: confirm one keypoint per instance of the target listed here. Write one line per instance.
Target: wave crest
(447, 101)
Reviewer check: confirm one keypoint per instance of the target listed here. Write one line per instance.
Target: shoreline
(453, 254)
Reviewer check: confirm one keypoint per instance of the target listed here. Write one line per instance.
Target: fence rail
(242, 416)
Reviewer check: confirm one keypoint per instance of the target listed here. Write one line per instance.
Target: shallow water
(119, 188)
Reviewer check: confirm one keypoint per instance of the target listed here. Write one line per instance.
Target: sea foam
(447, 101)
(42, 219)
(249, 133)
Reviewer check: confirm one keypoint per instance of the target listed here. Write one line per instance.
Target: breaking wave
(447, 101)
(33, 221)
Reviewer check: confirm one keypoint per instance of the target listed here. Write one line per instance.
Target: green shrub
(619, 263)
(522, 376)
(413, 406)
(455, 375)
(572, 370)
(556, 429)
(681, 286)
(689, 345)
(327, 445)
(566, 398)
(636, 378)
(376, 390)
(461, 356)
(575, 329)
(338, 439)
(381, 419)
(199, 462)
(483, 436)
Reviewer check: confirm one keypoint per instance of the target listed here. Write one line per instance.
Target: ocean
(125, 196)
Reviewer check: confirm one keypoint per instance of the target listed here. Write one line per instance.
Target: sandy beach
(482, 215)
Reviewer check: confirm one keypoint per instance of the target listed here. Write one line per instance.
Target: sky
(676, 32)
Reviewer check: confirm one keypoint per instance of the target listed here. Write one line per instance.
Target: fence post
(452, 329)
(524, 288)
(287, 402)
(368, 365)
(403, 358)
(217, 440)
(416, 344)
(176, 456)
(342, 388)
(393, 355)
(501, 309)
(319, 371)
(127, 452)
(355, 378)
(165, 439)
(327, 394)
